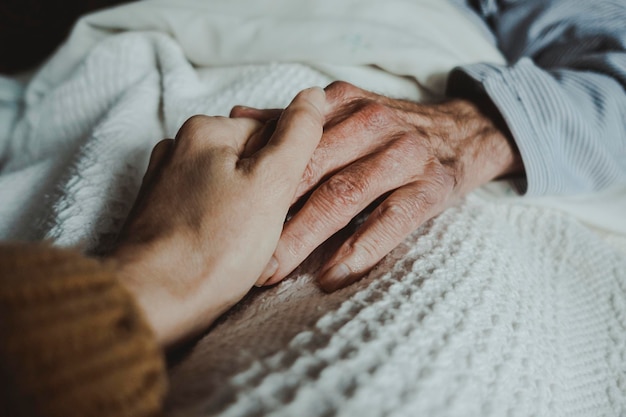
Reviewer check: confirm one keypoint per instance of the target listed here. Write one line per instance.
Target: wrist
(479, 142)
(152, 273)
(509, 153)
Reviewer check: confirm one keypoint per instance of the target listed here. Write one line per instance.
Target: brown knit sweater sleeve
(72, 340)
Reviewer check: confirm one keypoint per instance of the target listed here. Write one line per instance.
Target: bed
(500, 306)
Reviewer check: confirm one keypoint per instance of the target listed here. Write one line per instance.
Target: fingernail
(241, 108)
(270, 269)
(318, 90)
(334, 277)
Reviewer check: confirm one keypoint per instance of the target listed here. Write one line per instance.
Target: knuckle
(341, 87)
(400, 215)
(295, 244)
(364, 252)
(425, 198)
(194, 124)
(411, 143)
(441, 177)
(344, 192)
(310, 175)
(375, 115)
(406, 150)
(342, 91)
(193, 129)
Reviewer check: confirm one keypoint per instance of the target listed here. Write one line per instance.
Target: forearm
(565, 102)
(73, 341)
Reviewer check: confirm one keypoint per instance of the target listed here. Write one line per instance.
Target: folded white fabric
(421, 39)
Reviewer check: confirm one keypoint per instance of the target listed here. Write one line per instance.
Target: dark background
(30, 30)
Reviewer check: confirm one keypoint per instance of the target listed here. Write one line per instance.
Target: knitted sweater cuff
(73, 341)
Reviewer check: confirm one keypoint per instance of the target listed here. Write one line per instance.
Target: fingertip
(261, 115)
(270, 270)
(316, 89)
(299, 130)
(316, 96)
(327, 287)
(243, 111)
(274, 279)
(336, 277)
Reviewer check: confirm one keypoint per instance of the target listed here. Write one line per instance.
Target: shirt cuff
(516, 92)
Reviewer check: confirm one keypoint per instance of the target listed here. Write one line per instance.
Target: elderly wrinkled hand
(411, 160)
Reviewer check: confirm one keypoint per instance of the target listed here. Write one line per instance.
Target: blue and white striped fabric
(563, 93)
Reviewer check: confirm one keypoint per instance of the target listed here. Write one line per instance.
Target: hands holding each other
(209, 214)
(418, 158)
(209, 219)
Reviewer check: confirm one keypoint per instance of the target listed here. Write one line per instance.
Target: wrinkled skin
(412, 160)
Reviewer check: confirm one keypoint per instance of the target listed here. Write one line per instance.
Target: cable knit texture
(73, 341)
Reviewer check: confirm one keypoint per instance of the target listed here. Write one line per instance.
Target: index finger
(297, 134)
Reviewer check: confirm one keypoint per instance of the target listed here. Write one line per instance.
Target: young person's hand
(210, 213)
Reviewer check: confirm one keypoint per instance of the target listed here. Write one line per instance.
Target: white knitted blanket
(498, 307)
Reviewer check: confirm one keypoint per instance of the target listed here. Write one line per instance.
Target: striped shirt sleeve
(563, 92)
